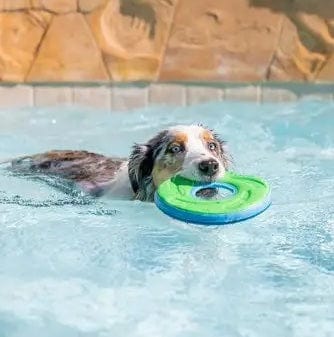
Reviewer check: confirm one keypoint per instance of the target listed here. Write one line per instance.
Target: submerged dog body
(191, 151)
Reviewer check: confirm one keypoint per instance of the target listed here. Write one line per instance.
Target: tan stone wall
(166, 40)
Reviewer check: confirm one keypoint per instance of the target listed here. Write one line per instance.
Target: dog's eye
(175, 149)
(212, 146)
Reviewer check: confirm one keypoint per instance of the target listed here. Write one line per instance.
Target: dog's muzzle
(208, 167)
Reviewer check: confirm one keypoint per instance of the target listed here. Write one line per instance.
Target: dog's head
(191, 151)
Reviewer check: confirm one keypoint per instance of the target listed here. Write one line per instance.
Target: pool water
(74, 266)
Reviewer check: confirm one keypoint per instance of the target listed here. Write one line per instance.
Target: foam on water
(75, 266)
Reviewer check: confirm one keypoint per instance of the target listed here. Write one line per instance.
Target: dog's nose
(209, 167)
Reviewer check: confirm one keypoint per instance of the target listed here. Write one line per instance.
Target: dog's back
(92, 172)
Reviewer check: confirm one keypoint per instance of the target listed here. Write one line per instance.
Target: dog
(192, 151)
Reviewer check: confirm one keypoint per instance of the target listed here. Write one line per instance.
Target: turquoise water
(73, 266)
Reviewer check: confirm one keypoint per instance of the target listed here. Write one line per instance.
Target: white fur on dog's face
(186, 147)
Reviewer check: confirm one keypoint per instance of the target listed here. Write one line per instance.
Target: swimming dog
(192, 151)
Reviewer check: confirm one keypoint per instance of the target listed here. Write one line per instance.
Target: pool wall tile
(131, 96)
(277, 95)
(16, 96)
(97, 97)
(243, 93)
(49, 95)
(199, 94)
(128, 98)
(171, 94)
(318, 96)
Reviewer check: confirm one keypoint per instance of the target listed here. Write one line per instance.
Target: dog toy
(178, 198)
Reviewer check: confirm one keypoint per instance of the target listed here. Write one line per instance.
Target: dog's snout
(208, 167)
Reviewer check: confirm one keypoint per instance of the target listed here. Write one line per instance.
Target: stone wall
(166, 40)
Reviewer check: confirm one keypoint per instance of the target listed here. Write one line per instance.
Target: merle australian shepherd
(191, 151)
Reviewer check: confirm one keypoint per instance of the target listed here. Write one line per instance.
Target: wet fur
(90, 171)
(98, 174)
(141, 163)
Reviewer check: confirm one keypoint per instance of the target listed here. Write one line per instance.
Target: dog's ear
(141, 164)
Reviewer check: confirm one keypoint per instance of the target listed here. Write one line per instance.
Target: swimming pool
(72, 266)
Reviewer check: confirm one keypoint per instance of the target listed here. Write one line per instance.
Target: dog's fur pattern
(176, 150)
(92, 172)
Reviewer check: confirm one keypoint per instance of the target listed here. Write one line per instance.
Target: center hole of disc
(213, 193)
